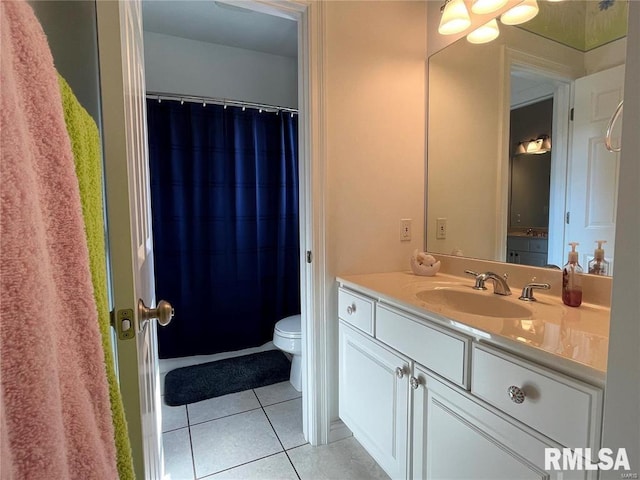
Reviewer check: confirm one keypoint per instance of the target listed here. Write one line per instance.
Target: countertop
(572, 340)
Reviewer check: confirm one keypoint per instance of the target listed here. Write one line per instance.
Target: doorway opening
(253, 70)
(539, 99)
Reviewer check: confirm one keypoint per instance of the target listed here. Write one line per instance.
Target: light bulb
(523, 12)
(534, 146)
(487, 32)
(455, 18)
(481, 7)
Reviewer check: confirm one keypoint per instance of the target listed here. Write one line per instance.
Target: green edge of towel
(85, 144)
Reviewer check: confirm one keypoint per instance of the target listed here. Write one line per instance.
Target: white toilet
(287, 336)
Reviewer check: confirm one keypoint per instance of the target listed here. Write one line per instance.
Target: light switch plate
(441, 228)
(405, 230)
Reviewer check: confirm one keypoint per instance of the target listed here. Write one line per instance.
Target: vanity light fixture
(455, 17)
(540, 145)
(484, 34)
(523, 12)
(482, 7)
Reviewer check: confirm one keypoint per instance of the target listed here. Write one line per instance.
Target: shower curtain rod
(219, 101)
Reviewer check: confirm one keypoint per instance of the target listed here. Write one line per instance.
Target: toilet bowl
(287, 336)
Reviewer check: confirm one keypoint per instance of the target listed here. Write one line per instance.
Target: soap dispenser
(572, 279)
(599, 266)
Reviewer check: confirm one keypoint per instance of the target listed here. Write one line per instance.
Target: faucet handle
(527, 291)
(480, 278)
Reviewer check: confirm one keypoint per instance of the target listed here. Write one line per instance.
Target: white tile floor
(252, 435)
(255, 434)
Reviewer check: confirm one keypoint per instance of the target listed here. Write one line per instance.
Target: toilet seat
(289, 327)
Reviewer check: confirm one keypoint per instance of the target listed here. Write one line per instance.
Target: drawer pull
(516, 394)
(414, 382)
(351, 309)
(399, 372)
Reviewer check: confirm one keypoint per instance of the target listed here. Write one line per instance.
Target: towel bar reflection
(612, 122)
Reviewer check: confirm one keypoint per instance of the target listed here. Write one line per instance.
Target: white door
(593, 170)
(374, 398)
(129, 225)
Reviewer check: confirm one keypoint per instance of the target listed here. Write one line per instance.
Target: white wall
(622, 394)
(375, 127)
(190, 67)
(604, 57)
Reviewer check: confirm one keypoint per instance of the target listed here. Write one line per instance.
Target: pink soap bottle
(572, 279)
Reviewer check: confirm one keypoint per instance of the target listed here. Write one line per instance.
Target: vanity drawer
(538, 245)
(443, 352)
(356, 310)
(517, 243)
(564, 409)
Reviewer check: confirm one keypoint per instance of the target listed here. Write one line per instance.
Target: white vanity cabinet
(456, 436)
(374, 398)
(428, 402)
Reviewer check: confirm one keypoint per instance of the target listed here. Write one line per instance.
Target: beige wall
(375, 81)
(375, 104)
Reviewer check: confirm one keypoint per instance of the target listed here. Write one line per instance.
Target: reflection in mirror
(488, 102)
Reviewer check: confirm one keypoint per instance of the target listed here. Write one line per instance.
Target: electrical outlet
(405, 230)
(441, 228)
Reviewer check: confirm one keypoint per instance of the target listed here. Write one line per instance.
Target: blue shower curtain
(224, 200)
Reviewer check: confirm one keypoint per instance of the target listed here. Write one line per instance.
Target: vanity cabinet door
(458, 437)
(374, 398)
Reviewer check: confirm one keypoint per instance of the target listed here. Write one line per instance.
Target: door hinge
(309, 256)
(567, 217)
(571, 115)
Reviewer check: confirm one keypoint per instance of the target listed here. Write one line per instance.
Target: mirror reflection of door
(592, 191)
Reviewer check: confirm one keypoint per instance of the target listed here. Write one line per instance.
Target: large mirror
(516, 161)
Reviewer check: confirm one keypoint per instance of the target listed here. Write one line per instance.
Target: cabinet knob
(516, 394)
(414, 382)
(400, 372)
(351, 309)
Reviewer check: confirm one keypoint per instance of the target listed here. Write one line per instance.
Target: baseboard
(338, 431)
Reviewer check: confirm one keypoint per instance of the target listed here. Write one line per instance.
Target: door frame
(314, 282)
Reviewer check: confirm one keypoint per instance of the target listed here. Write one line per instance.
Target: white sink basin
(475, 302)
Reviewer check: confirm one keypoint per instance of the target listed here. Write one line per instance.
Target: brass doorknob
(163, 312)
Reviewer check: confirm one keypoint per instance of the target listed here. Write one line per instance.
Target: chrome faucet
(500, 286)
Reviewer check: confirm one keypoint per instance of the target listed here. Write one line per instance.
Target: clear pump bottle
(599, 266)
(572, 279)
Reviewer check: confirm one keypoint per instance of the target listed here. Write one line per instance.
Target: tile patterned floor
(255, 434)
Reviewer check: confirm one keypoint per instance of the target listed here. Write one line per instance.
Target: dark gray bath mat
(214, 379)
